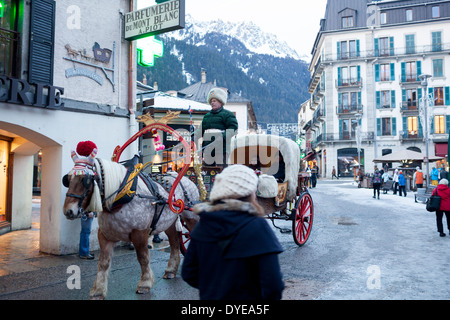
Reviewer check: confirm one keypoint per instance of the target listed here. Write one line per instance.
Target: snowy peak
(253, 38)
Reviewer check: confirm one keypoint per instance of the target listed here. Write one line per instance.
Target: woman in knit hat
(443, 191)
(220, 120)
(233, 252)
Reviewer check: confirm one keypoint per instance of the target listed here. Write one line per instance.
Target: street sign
(163, 17)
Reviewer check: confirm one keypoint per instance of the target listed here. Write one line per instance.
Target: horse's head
(81, 183)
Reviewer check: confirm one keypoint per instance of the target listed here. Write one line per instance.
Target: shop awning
(441, 149)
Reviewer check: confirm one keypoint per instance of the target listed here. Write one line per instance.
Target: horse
(92, 187)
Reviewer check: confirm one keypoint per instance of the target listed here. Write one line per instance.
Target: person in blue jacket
(434, 175)
(401, 184)
(233, 252)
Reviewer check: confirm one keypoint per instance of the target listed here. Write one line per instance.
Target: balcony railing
(349, 136)
(349, 109)
(348, 82)
(9, 52)
(410, 106)
(409, 78)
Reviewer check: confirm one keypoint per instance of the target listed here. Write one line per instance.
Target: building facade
(365, 86)
(66, 75)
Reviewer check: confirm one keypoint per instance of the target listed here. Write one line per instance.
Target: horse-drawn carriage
(123, 196)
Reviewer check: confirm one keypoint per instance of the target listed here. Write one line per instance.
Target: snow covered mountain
(237, 56)
(253, 38)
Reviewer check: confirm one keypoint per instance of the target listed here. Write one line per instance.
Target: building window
(412, 127)
(386, 127)
(383, 18)
(411, 99)
(347, 22)
(410, 44)
(411, 71)
(9, 39)
(348, 49)
(384, 46)
(409, 14)
(385, 99)
(385, 72)
(438, 96)
(438, 70)
(439, 124)
(435, 12)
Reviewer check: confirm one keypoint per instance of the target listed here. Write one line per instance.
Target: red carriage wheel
(184, 238)
(303, 218)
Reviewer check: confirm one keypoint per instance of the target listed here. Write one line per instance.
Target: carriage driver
(219, 125)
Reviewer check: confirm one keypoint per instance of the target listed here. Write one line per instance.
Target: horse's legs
(100, 287)
(174, 259)
(140, 240)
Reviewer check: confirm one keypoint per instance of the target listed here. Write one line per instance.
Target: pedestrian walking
(418, 178)
(233, 252)
(333, 173)
(385, 178)
(395, 179)
(376, 182)
(401, 184)
(443, 174)
(443, 191)
(83, 248)
(314, 174)
(434, 175)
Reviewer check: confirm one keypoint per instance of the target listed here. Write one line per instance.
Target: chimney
(203, 75)
(155, 86)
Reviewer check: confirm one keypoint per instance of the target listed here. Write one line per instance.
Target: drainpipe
(133, 125)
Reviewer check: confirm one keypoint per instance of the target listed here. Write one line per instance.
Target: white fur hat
(235, 181)
(219, 94)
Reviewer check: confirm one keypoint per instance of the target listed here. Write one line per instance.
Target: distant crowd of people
(438, 177)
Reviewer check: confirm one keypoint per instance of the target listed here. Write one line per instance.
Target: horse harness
(127, 190)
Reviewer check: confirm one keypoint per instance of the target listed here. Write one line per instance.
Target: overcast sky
(294, 21)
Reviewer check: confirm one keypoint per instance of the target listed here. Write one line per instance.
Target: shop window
(9, 39)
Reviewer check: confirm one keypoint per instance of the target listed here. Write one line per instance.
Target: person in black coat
(233, 252)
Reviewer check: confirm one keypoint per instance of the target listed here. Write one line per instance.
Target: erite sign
(161, 18)
(21, 92)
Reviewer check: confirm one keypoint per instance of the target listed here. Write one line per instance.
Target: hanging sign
(161, 18)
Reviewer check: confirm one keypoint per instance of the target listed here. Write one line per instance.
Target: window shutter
(377, 72)
(378, 127)
(447, 96)
(394, 126)
(391, 46)
(357, 48)
(405, 126)
(338, 50)
(392, 98)
(392, 67)
(403, 70)
(447, 122)
(376, 47)
(42, 40)
(419, 69)
(378, 99)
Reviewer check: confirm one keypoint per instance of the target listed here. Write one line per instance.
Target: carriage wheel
(303, 219)
(185, 237)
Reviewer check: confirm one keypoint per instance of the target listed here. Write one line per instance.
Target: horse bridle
(87, 182)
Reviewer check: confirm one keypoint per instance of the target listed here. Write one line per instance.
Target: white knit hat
(235, 181)
(219, 94)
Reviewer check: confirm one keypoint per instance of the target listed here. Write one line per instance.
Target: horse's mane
(112, 177)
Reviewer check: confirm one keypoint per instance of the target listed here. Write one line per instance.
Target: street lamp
(423, 105)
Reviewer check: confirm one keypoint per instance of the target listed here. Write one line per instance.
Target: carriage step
(285, 230)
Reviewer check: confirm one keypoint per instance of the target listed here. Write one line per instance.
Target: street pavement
(360, 248)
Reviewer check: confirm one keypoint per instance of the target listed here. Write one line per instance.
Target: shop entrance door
(4, 159)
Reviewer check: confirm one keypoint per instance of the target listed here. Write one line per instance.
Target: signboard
(161, 18)
(282, 129)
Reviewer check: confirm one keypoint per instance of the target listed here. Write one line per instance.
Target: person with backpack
(376, 182)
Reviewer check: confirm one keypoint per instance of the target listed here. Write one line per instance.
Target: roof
(199, 92)
(165, 101)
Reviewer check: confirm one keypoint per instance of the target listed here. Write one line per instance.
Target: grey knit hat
(235, 181)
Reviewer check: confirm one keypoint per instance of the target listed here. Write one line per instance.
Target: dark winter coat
(233, 254)
(444, 192)
(221, 119)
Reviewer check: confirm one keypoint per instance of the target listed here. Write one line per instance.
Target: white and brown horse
(93, 188)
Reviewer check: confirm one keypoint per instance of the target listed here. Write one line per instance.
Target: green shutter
(378, 99)
(42, 40)
(391, 46)
(341, 133)
(377, 72)
(447, 96)
(392, 67)
(339, 76)
(338, 50)
(392, 98)
(376, 47)
(403, 70)
(405, 126)
(394, 126)
(357, 48)
(447, 122)
(419, 69)
(378, 127)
